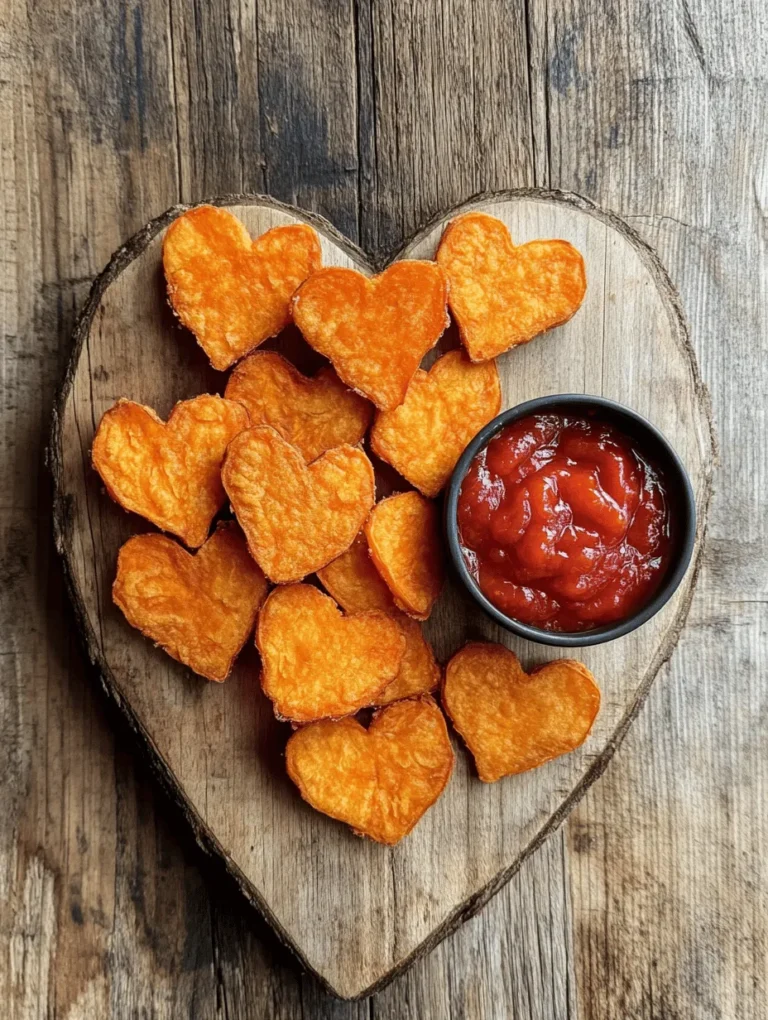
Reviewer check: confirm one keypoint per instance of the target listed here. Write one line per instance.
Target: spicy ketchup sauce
(563, 523)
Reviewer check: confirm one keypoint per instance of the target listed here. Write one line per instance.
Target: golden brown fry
(296, 517)
(314, 415)
(318, 663)
(419, 672)
(380, 780)
(374, 331)
(512, 721)
(403, 534)
(170, 472)
(200, 608)
(502, 295)
(443, 409)
(355, 583)
(231, 292)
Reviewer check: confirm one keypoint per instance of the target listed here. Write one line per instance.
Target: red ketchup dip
(563, 523)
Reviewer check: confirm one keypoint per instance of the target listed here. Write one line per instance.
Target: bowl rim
(685, 515)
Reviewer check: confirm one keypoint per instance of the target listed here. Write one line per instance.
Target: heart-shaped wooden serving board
(356, 912)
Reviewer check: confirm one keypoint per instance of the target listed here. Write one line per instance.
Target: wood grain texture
(219, 748)
(113, 112)
(669, 880)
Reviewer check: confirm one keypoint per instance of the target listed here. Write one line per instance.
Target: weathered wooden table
(651, 901)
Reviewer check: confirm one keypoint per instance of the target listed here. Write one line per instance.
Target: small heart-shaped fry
(355, 583)
(513, 721)
(319, 664)
(296, 517)
(502, 295)
(231, 292)
(443, 409)
(200, 608)
(374, 331)
(403, 533)
(169, 472)
(313, 414)
(380, 780)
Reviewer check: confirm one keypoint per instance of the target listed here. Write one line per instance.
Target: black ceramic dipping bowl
(652, 443)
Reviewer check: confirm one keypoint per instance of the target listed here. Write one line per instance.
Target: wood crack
(358, 115)
(529, 68)
(222, 999)
(174, 95)
(693, 36)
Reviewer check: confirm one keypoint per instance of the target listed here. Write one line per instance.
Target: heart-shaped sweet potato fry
(200, 608)
(374, 331)
(355, 583)
(502, 295)
(380, 780)
(170, 472)
(443, 409)
(296, 517)
(318, 663)
(513, 721)
(314, 415)
(232, 292)
(403, 533)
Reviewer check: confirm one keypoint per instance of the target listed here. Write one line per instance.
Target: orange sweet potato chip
(512, 721)
(200, 608)
(296, 517)
(419, 673)
(374, 331)
(318, 663)
(380, 780)
(443, 409)
(502, 295)
(170, 472)
(355, 583)
(313, 414)
(232, 292)
(403, 535)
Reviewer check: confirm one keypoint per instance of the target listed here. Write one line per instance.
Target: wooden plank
(351, 929)
(660, 112)
(100, 128)
(307, 86)
(82, 141)
(446, 102)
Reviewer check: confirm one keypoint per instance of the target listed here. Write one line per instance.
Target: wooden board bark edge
(62, 525)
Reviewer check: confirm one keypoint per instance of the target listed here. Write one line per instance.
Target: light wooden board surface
(652, 902)
(356, 912)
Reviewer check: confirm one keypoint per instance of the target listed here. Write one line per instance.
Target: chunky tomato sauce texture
(564, 524)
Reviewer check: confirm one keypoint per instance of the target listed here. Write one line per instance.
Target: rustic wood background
(651, 902)
(353, 911)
